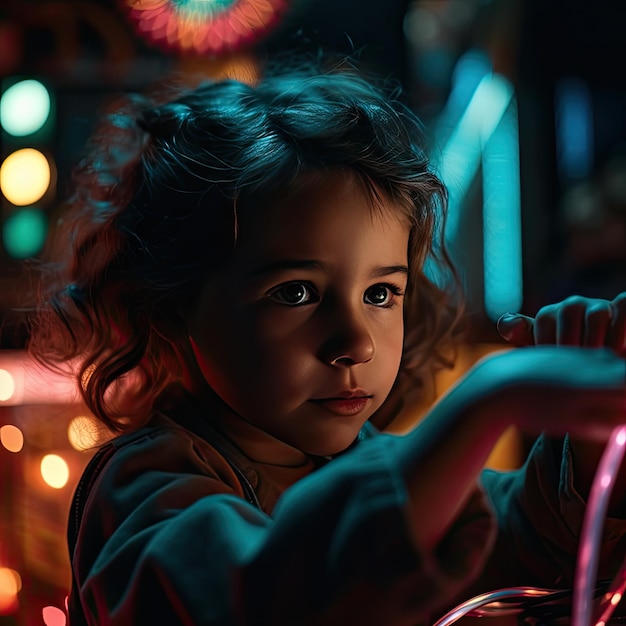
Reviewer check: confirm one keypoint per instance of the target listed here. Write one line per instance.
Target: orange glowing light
(10, 585)
(8, 604)
(10, 581)
(11, 437)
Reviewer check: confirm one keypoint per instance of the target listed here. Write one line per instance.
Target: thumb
(517, 329)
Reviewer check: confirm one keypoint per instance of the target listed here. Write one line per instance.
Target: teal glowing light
(24, 108)
(502, 219)
(461, 156)
(479, 135)
(24, 233)
(574, 129)
(201, 9)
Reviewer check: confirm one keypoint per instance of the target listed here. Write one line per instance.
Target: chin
(329, 446)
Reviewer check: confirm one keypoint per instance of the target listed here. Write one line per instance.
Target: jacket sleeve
(174, 542)
(540, 517)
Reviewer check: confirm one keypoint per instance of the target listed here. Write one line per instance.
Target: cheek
(212, 360)
(396, 356)
(393, 345)
(282, 371)
(220, 353)
(256, 365)
(392, 335)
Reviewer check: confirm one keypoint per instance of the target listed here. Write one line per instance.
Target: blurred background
(523, 103)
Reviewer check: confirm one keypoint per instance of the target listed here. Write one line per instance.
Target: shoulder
(160, 466)
(161, 451)
(141, 487)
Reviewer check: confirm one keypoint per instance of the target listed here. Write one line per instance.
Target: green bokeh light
(24, 233)
(24, 108)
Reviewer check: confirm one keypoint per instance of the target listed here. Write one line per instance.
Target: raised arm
(551, 389)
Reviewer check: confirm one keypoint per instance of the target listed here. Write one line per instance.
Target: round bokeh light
(204, 26)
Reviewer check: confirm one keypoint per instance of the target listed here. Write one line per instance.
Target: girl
(245, 291)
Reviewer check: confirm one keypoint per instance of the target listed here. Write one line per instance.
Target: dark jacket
(172, 525)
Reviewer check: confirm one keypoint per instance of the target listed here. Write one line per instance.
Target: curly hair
(156, 204)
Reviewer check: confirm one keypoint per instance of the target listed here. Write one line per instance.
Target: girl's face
(301, 333)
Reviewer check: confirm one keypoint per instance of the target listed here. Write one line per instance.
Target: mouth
(350, 403)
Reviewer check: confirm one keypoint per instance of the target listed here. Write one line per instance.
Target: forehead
(322, 207)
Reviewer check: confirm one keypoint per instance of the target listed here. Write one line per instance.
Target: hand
(583, 322)
(577, 321)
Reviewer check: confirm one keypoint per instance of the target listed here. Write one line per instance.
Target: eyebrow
(391, 269)
(306, 264)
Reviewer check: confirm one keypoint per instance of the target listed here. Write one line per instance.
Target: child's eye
(382, 295)
(294, 294)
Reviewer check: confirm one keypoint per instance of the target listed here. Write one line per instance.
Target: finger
(570, 321)
(545, 326)
(517, 329)
(616, 335)
(597, 319)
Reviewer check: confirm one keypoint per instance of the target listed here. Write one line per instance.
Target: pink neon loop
(510, 600)
(591, 538)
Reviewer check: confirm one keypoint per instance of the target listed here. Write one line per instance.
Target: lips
(348, 403)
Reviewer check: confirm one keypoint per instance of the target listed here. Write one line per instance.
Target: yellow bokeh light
(7, 385)
(83, 433)
(54, 471)
(11, 438)
(25, 176)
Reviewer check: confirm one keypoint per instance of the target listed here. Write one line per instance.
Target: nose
(351, 341)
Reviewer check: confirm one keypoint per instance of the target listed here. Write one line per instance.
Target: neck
(256, 444)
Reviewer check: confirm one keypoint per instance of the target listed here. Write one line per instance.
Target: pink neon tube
(591, 537)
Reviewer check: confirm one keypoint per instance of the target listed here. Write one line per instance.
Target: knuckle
(576, 303)
(619, 303)
(547, 313)
(598, 311)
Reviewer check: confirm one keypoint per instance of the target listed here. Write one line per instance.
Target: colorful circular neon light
(204, 26)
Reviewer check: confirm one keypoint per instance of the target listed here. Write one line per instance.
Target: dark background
(87, 52)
